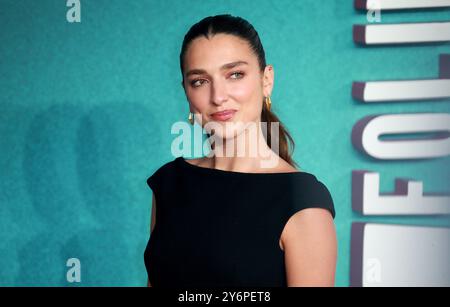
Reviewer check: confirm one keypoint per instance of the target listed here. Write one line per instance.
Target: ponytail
(286, 144)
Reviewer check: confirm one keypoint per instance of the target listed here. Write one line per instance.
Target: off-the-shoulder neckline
(185, 162)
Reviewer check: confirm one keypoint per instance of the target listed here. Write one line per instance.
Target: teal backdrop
(87, 109)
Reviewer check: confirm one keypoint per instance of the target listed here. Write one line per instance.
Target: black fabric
(217, 228)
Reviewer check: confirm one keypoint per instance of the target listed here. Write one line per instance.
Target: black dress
(217, 228)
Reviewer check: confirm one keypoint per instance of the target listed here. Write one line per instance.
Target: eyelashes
(193, 82)
(240, 73)
(236, 75)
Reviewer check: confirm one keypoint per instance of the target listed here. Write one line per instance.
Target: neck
(246, 152)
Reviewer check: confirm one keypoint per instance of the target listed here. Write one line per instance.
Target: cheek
(248, 95)
(199, 99)
(243, 90)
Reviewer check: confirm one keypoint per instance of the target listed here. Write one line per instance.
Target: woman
(231, 220)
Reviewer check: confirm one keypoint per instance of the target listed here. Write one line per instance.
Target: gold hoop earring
(268, 103)
(191, 118)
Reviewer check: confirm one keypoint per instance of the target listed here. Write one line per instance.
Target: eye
(237, 75)
(197, 82)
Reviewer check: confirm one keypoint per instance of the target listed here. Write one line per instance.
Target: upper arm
(152, 223)
(310, 248)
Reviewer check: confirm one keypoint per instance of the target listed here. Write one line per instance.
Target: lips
(223, 115)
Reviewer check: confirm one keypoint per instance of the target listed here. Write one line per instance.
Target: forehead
(213, 52)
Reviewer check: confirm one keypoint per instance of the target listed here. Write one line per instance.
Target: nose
(218, 93)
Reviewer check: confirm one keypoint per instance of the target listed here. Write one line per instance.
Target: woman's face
(222, 74)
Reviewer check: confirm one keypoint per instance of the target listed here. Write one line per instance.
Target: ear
(268, 79)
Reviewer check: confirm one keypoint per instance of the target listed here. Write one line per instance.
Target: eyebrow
(224, 67)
